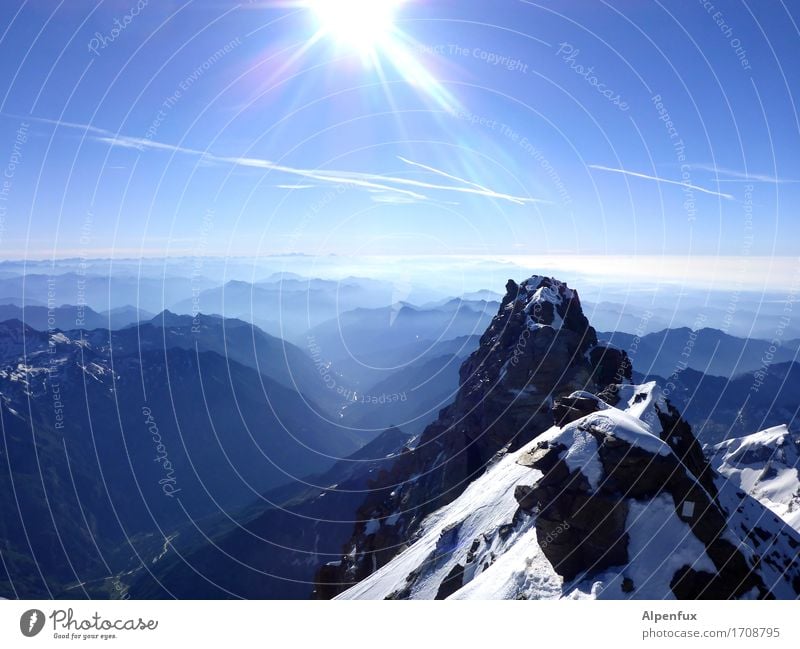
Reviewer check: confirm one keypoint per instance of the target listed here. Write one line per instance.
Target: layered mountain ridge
(115, 439)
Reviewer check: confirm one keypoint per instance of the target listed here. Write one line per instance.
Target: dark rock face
(534, 350)
(585, 529)
(451, 583)
(568, 409)
(587, 526)
(611, 365)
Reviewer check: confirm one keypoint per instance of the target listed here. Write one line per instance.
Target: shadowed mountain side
(143, 436)
(276, 551)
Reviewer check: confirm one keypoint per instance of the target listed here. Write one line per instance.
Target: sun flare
(358, 24)
(368, 28)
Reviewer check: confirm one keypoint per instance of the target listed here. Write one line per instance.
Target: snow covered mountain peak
(764, 465)
(598, 508)
(544, 300)
(552, 475)
(537, 350)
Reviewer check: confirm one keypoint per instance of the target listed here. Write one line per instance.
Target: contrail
(406, 187)
(442, 173)
(662, 180)
(744, 177)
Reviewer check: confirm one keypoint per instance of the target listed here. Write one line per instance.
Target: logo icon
(31, 622)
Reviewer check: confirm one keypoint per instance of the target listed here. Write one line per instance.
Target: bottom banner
(384, 624)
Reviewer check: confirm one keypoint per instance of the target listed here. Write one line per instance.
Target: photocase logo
(31, 622)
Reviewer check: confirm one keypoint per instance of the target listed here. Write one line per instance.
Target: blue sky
(505, 127)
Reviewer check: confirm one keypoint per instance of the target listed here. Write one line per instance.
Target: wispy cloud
(355, 179)
(408, 188)
(666, 181)
(734, 176)
(391, 198)
(439, 172)
(471, 187)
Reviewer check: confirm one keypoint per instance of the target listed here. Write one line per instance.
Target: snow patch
(582, 456)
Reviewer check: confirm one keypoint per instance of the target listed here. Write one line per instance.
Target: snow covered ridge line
(538, 346)
(588, 510)
(766, 466)
(552, 476)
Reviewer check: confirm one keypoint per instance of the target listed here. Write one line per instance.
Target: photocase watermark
(686, 354)
(9, 171)
(170, 102)
(120, 589)
(353, 396)
(31, 622)
(168, 482)
(66, 626)
(488, 57)
(350, 396)
(54, 363)
(726, 30)
(522, 142)
(569, 54)
(198, 262)
(639, 332)
(743, 257)
(553, 534)
(679, 148)
(779, 335)
(519, 347)
(101, 41)
(83, 266)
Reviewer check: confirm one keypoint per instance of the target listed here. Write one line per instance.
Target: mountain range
(551, 475)
(113, 436)
(464, 449)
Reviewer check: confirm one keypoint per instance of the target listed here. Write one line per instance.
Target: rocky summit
(538, 348)
(552, 476)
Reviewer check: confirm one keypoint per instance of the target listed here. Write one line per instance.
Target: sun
(368, 28)
(362, 25)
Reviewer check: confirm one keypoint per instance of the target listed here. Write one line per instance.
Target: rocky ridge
(539, 347)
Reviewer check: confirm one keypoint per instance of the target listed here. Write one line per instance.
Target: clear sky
(483, 127)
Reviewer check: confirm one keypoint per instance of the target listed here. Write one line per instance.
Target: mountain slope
(237, 340)
(288, 307)
(105, 445)
(601, 507)
(409, 398)
(550, 476)
(271, 550)
(538, 346)
(765, 465)
(102, 292)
